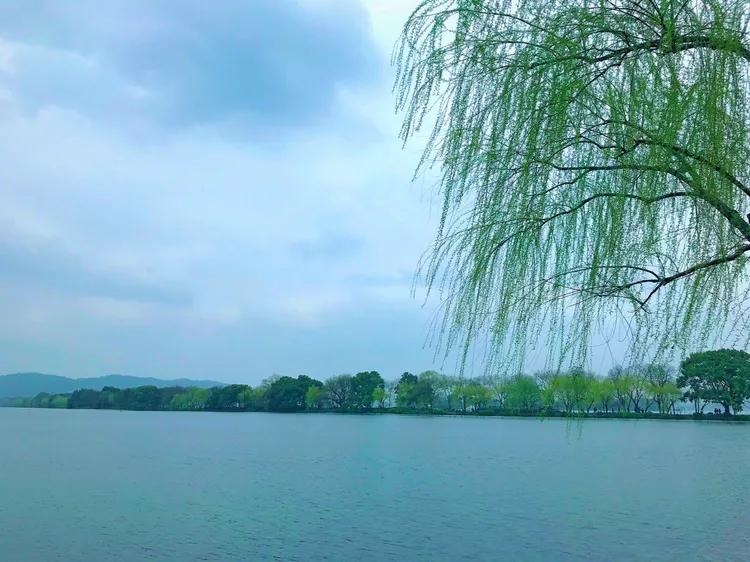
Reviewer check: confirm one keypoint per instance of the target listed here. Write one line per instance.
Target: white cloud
(126, 248)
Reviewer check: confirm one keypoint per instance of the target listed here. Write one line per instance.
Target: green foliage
(721, 376)
(362, 387)
(252, 398)
(523, 394)
(622, 380)
(607, 394)
(41, 400)
(89, 399)
(404, 389)
(444, 385)
(408, 378)
(58, 401)
(595, 163)
(191, 399)
(288, 394)
(472, 394)
(648, 390)
(139, 398)
(416, 391)
(459, 394)
(422, 394)
(661, 387)
(379, 396)
(575, 390)
(229, 397)
(315, 397)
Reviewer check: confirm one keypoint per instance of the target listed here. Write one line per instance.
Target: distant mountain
(27, 385)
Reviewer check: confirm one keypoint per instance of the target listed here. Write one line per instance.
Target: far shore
(401, 411)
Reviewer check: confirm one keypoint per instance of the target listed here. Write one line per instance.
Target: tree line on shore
(717, 377)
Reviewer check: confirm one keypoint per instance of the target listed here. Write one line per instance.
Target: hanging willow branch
(594, 159)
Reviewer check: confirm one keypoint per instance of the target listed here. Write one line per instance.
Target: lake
(107, 485)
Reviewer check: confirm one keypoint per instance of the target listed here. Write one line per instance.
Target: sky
(215, 191)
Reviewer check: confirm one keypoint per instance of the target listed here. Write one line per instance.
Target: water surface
(120, 486)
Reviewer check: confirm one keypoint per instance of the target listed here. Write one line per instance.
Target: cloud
(275, 63)
(369, 336)
(48, 265)
(193, 252)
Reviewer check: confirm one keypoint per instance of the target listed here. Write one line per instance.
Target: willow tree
(594, 161)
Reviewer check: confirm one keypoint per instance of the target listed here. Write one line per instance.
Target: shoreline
(398, 411)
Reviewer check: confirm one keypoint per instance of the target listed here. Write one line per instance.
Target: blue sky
(213, 191)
